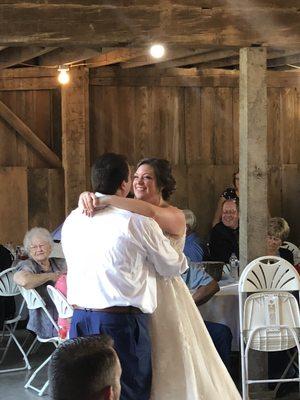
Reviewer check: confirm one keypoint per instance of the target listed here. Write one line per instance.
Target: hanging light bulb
(63, 76)
(157, 50)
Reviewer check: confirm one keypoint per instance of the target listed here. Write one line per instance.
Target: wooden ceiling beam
(115, 56)
(234, 61)
(170, 55)
(29, 136)
(285, 60)
(197, 59)
(67, 56)
(17, 55)
(111, 24)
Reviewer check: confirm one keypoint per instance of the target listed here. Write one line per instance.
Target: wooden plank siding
(40, 110)
(32, 194)
(194, 124)
(184, 115)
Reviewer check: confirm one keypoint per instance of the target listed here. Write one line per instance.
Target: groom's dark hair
(108, 172)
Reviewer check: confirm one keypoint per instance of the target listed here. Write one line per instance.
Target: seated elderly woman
(37, 272)
(278, 231)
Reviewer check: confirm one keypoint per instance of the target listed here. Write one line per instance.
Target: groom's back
(106, 258)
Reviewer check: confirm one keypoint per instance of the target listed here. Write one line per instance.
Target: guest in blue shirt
(195, 249)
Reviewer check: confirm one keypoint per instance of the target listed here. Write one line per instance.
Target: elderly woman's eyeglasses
(38, 246)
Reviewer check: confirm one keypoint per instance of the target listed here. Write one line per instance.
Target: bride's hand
(87, 202)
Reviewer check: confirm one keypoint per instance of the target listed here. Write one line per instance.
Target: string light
(157, 50)
(63, 76)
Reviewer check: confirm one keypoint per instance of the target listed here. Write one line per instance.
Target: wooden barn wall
(193, 122)
(32, 193)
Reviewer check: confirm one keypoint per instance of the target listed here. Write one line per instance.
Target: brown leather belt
(114, 309)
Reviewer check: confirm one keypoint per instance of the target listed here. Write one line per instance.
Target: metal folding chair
(9, 288)
(269, 316)
(35, 301)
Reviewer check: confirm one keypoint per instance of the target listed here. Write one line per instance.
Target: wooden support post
(253, 154)
(253, 174)
(75, 132)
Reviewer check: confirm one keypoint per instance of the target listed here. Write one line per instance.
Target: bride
(186, 365)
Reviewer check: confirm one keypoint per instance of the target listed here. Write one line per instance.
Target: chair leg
(7, 344)
(28, 384)
(27, 365)
(291, 362)
(31, 346)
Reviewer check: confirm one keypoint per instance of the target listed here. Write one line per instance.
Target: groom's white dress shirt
(113, 258)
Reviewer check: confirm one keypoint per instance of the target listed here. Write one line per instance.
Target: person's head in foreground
(111, 174)
(278, 231)
(153, 180)
(85, 368)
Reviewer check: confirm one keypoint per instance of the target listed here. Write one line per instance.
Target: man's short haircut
(81, 368)
(190, 219)
(108, 172)
(279, 228)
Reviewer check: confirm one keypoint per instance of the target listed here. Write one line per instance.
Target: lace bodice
(177, 243)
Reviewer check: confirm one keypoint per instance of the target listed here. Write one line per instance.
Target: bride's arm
(169, 218)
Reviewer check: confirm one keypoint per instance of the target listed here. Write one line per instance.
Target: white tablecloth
(224, 308)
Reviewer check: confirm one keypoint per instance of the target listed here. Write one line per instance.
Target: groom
(112, 263)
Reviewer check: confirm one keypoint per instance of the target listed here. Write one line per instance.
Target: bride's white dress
(186, 365)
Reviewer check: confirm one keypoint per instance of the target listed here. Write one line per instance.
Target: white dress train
(186, 365)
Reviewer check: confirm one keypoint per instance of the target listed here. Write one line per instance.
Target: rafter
(115, 56)
(209, 56)
(170, 55)
(17, 55)
(287, 59)
(234, 61)
(67, 56)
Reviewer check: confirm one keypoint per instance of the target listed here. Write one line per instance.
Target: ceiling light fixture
(63, 76)
(157, 50)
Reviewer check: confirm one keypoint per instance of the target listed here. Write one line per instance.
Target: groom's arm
(166, 260)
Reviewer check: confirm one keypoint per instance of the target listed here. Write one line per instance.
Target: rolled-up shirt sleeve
(166, 260)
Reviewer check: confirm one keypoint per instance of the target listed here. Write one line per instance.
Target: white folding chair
(269, 316)
(64, 309)
(9, 288)
(35, 301)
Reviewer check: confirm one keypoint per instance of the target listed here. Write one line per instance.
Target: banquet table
(224, 308)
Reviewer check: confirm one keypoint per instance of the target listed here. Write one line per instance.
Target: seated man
(194, 248)
(85, 368)
(203, 287)
(224, 237)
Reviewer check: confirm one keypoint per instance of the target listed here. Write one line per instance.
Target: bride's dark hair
(163, 173)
